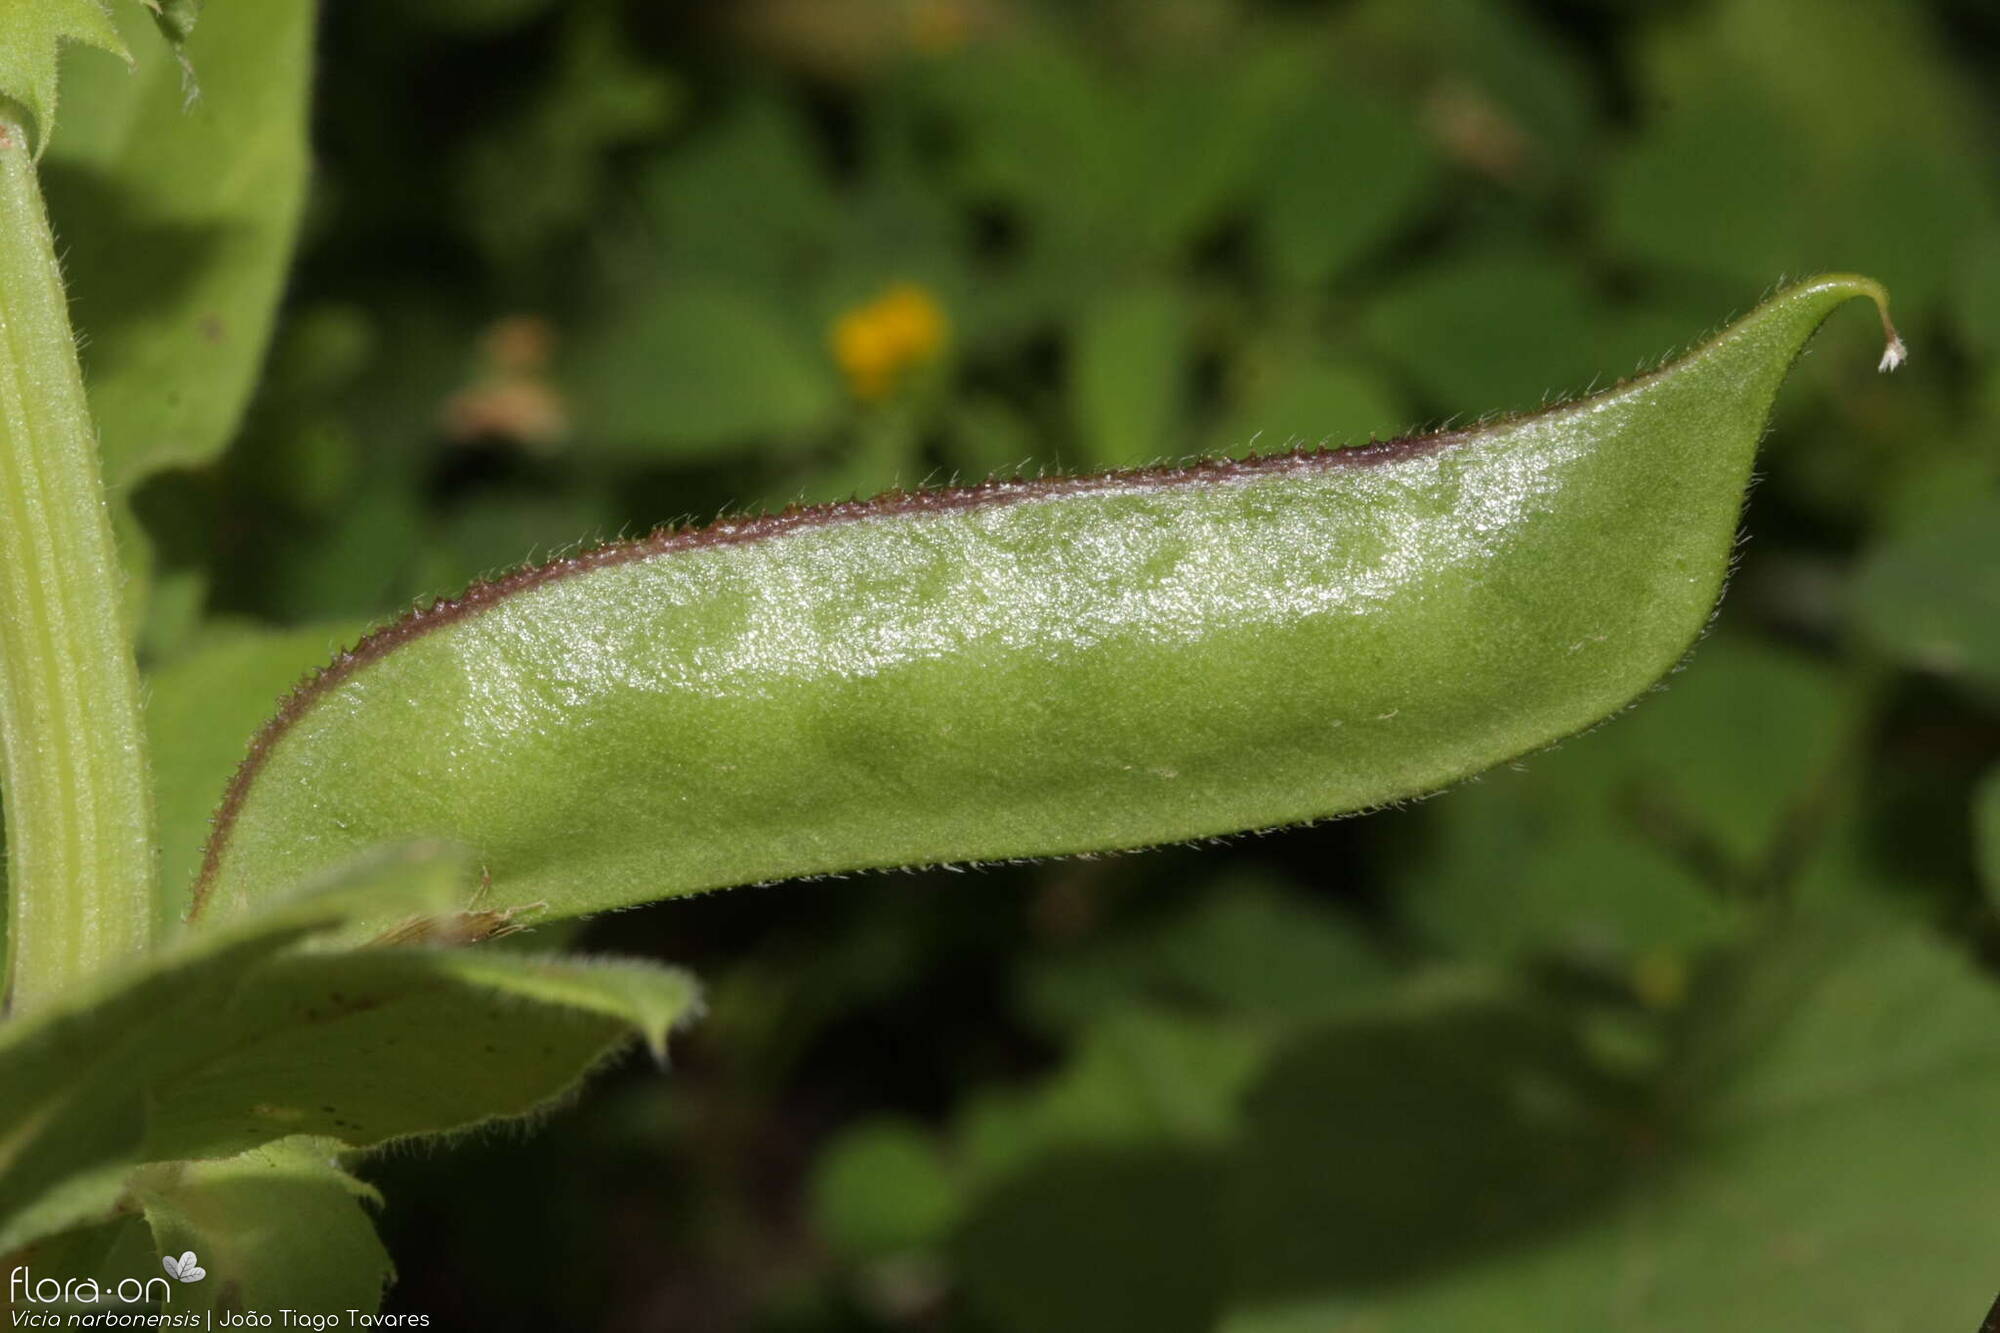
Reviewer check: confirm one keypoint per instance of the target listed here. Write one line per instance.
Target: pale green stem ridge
(72, 751)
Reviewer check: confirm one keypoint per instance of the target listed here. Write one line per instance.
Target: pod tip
(1893, 354)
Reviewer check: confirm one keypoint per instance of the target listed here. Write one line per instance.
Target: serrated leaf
(379, 1044)
(1033, 668)
(175, 18)
(77, 1076)
(31, 36)
(223, 1047)
(279, 1227)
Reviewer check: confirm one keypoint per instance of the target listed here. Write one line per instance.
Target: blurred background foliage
(1687, 1024)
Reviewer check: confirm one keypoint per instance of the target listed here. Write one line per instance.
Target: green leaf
(1126, 163)
(31, 33)
(1388, 1147)
(1193, 140)
(104, 1251)
(881, 1188)
(1040, 130)
(697, 368)
(226, 1043)
(1245, 949)
(177, 224)
(1032, 669)
(1138, 1078)
(1839, 1174)
(1638, 843)
(746, 199)
(1443, 328)
(1346, 171)
(1128, 376)
(1693, 194)
(382, 1044)
(1930, 598)
(1505, 97)
(597, 98)
(1753, 96)
(281, 1227)
(75, 1077)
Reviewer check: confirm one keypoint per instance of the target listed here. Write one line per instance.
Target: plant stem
(72, 750)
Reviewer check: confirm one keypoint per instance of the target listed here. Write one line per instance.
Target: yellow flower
(879, 342)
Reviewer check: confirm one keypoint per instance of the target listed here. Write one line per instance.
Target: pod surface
(1032, 668)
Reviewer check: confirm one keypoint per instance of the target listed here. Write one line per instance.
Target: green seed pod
(1033, 668)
